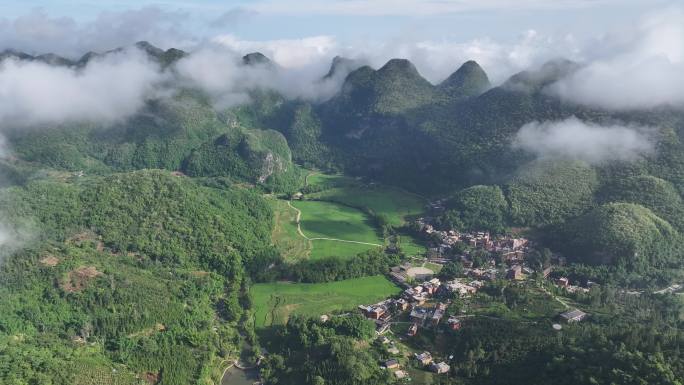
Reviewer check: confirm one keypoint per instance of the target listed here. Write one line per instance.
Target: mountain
(164, 58)
(469, 80)
(341, 67)
(256, 58)
(49, 58)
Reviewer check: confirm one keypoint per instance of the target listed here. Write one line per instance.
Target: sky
(349, 20)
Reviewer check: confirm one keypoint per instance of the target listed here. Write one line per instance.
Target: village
(426, 301)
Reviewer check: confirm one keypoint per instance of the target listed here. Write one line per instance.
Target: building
(400, 374)
(515, 273)
(376, 312)
(573, 315)
(413, 330)
(401, 304)
(425, 358)
(437, 316)
(462, 289)
(563, 282)
(391, 364)
(382, 327)
(418, 315)
(440, 367)
(454, 323)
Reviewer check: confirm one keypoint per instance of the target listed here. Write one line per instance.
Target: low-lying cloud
(220, 72)
(639, 69)
(106, 90)
(575, 139)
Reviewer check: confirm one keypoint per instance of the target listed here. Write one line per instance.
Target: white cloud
(290, 53)
(641, 68)
(105, 90)
(233, 17)
(414, 7)
(574, 139)
(38, 32)
(437, 59)
(220, 72)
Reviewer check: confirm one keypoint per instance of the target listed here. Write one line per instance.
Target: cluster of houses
(564, 282)
(511, 249)
(415, 300)
(425, 359)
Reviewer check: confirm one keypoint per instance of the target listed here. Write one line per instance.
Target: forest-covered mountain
(178, 188)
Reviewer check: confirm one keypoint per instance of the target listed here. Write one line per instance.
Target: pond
(235, 376)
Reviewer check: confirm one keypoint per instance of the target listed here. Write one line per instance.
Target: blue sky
(377, 19)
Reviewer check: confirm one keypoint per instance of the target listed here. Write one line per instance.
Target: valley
(397, 231)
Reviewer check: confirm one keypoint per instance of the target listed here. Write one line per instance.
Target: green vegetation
(332, 352)
(141, 268)
(390, 203)
(651, 192)
(333, 221)
(180, 133)
(146, 266)
(322, 248)
(476, 208)
(624, 234)
(550, 193)
(285, 236)
(274, 303)
(370, 262)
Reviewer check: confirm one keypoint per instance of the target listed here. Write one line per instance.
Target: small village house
(573, 316)
(515, 273)
(412, 330)
(440, 367)
(425, 358)
(391, 364)
(454, 323)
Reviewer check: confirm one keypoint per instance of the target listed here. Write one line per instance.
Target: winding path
(299, 230)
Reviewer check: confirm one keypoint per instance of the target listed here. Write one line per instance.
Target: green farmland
(275, 302)
(393, 203)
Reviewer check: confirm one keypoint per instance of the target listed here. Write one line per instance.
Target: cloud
(38, 32)
(290, 53)
(414, 7)
(232, 17)
(437, 59)
(639, 68)
(106, 90)
(219, 71)
(574, 139)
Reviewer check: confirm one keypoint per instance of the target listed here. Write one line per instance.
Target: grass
(335, 221)
(323, 248)
(275, 302)
(394, 203)
(292, 246)
(410, 246)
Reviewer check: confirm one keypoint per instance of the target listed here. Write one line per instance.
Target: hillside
(137, 272)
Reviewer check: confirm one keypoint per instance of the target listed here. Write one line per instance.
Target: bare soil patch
(78, 279)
